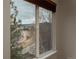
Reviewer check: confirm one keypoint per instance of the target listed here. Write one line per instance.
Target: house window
(45, 24)
(31, 29)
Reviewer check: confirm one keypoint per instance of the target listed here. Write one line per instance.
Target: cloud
(25, 11)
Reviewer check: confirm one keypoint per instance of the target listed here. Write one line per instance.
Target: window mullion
(54, 31)
(37, 30)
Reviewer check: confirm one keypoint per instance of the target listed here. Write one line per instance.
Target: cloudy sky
(26, 11)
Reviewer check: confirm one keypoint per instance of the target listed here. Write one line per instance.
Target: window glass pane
(45, 30)
(22, 27)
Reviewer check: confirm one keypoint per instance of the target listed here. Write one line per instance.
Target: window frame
(53, 9)
(53, 50)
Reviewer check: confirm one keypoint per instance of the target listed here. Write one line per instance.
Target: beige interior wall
(6, 30)
(65, 30)
(69, 28)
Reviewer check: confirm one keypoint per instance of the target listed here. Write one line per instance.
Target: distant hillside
(27, 25)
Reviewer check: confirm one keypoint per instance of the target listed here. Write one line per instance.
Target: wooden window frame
(48, 4)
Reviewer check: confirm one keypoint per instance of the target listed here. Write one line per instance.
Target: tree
(15, 33)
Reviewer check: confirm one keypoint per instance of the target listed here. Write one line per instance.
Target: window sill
(47, 54)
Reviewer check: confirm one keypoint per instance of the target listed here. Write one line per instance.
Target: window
(31, 31)
(45, 24)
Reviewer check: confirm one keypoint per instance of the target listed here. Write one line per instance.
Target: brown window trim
(48, 4)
